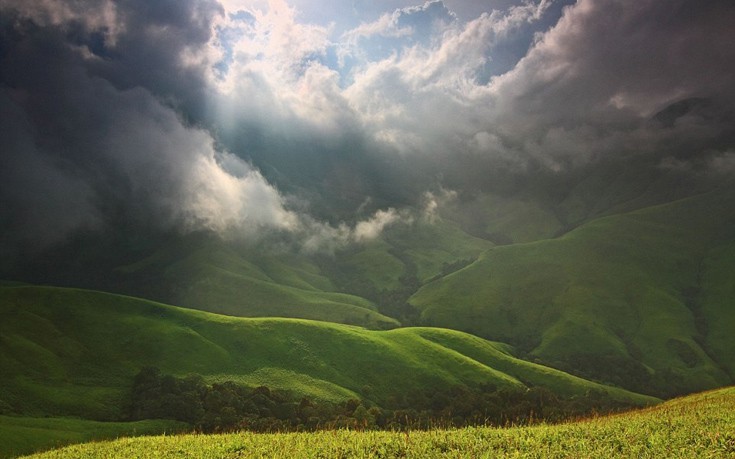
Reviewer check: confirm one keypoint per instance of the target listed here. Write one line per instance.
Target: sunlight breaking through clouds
(202, 114)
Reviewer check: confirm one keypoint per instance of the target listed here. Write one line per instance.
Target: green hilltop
(73, 353)
(204, 273)
(642, 299)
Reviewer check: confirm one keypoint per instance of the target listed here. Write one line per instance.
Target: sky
(329, 121)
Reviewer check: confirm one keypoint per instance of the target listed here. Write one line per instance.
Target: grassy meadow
(697, 426)
(639, 300)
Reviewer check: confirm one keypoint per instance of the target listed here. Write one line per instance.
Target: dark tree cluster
(631, 374)
(228, 406)
(451, 267)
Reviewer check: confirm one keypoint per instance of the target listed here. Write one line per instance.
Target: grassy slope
(642, 287)
(207, 275)
(716, 298)
(701, 425)
(431, 244)
(506, 219)
(424, 245)
(552, 204)
(72, 352)
(23, 435)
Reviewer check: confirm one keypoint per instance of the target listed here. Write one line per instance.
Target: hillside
(642, 299)
(204, 273)
(73, 353)
(364, 283)
(639, 298)
(700, 425)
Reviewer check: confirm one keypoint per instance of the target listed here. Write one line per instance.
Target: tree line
(227, 406)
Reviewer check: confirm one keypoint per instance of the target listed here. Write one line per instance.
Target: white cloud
(277, 77)
(176, 171)
(316, 236)
(433, 202)
(418, 22)
(236, 206)
(428, 99)
(386, 26)
(259, 76)
(370, 229)
(424, 98)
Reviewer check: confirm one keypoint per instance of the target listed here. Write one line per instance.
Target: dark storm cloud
(586, 90)
(618, 55)
(90, 138)
(103, 126)
(163, 48)
(589, 86)
(165, 112)
(159, 45)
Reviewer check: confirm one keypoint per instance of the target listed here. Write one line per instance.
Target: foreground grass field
(696, 426)
(20, 435)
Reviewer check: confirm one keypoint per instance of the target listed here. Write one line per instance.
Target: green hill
(205, 273)
(642, 299)
(505, 219)
(69, 352)
(697, 426)
(389, 269)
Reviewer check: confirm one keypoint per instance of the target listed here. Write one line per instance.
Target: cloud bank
(250, 117)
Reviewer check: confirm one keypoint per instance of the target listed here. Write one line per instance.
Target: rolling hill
(70, 352)
(618, 279)
(642, 299)
(204, 273)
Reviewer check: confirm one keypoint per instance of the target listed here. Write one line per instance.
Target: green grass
(644, 288)
(511, 219)
(701, 425)
(24, 435)
(206, 274)
(431, 244)
(717, 303)
(421, 249)
(68, 352)
(376, 265)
